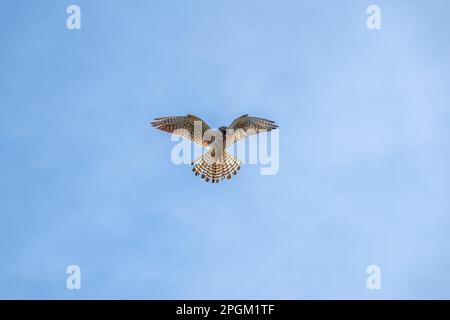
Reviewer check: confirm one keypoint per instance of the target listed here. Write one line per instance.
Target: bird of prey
(216, 163)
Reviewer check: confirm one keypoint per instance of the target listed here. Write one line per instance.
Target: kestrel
(216, 163)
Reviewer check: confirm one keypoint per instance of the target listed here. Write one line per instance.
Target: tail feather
(215, 170)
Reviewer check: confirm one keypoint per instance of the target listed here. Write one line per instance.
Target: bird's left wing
(245, 126)
(190, 127)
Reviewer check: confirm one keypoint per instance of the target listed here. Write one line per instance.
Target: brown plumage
(217, 163)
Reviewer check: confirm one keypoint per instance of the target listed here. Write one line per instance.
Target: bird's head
(223, 130)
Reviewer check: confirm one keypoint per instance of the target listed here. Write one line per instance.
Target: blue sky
(364, 154)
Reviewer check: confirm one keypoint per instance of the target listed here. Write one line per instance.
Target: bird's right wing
(245, 126)
(189, 127)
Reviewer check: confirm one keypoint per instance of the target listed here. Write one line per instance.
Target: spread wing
(245, 126)
(189, 127)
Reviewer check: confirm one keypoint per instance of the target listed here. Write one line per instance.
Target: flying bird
(216, 163)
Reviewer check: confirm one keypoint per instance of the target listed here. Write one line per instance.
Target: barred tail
(214, 170)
